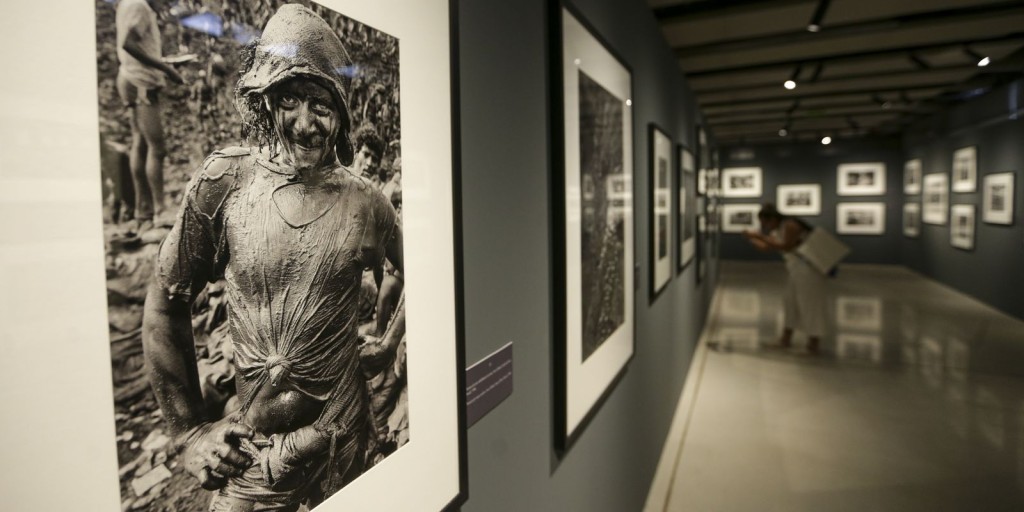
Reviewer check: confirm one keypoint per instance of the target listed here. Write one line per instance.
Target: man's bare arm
(134, 48)
(170, 353)
(393, 250)
(210, 450)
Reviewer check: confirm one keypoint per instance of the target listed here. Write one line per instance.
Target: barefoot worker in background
(139, 80)
(291, 229)
(804, 299)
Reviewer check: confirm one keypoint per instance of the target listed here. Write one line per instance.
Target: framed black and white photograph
(740, 182)
(911, 220)
(860, 218)
(861, 179)
(703, 159)
(912, 177)
(935, 201)
(961, 226)
(660, 217)
(998, 198)
(278, 328)
(802, 199)
(594, 242)
(737, 218)
(687, 183)
(965, 169)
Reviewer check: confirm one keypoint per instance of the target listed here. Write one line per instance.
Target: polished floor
(916, 403)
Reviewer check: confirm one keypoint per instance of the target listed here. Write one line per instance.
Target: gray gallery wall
(812, 162)
(992, 271)
(508, 265)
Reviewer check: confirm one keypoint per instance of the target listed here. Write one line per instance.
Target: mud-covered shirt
(292, 283)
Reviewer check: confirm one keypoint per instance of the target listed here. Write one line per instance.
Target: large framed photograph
(799, 199)
(703, 159)
(282, 290)
(861, 179)
(660, 217)
(741, 182)
(737, 218)
(594, 243)
(911, 220)
(965, 169)
(912, 177)
(961, 226)
(860, 218)
(998, 199)
(936, 199)
(687, 183)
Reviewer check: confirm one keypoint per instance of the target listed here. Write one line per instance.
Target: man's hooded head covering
(297, 42)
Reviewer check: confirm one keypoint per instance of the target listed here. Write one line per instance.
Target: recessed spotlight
(984, 62)
(783, 132)
(576, 62)
(887, 105)
(813, 27)
(826, 140)
(629, 103)
(789, 84)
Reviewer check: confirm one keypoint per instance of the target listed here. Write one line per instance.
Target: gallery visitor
(804, 297)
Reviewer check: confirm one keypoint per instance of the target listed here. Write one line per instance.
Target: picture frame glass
(965, 170)
(935, 202)
(662, 221)
(597, 127)
(999, 198)
(258, 317)
(861, 179)
(804, 199)
(860, 218)
(685, 218)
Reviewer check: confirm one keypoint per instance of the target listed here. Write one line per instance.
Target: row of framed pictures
(856, 179)
(961, 227)
(965, 172)
(593, 187)
(997, 199)
(851, 218)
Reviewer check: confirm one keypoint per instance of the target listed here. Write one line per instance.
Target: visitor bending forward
(804, 299)
(291, 230)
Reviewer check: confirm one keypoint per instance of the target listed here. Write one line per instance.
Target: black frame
(1012, 199)
(652, 260)
(974, 228)
(459, 499)
(564, 440)
(691, 204)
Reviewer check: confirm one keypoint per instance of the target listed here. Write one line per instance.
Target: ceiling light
(789, 84)
(887, 105)
(814, 27)
(826, 140)
(783, 132)
(984, 62)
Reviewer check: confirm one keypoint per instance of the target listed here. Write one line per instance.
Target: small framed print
(861, 179)
(738, 218)
(961, 226)
(911, 220)
(860, 218)
(660, 214)
(686, 182)
(998, 199)
(799, 199)
(864, 348)
(965, 169)
(912, 177)
(741, 182)
(936, 199)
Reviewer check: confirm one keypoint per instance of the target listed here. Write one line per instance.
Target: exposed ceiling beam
(717, 8)
(817, 95)
(883, 75)
(855, 55)
(923, 19)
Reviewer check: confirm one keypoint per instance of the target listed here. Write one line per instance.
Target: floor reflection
(916, 401)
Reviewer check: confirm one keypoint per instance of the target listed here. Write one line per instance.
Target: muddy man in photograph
(291, 230)
(804, 297)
